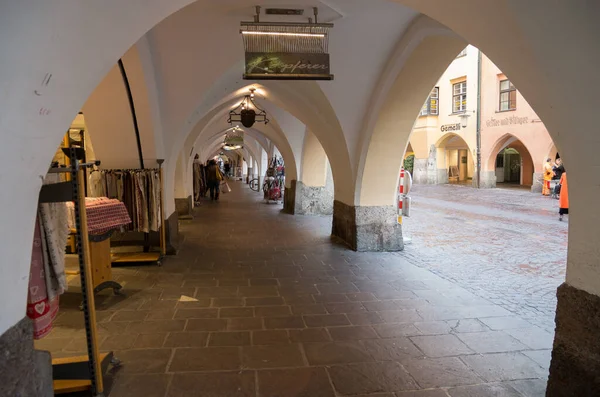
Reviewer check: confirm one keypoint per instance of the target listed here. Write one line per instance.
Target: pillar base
(488, 180)
(24, 371)
(538, 182)
(576, 353)
(184, 207)
(308, 200)
(372, 229)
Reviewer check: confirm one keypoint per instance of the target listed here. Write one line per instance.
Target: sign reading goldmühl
(287, 66)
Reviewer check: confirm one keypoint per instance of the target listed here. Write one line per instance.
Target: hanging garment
(55, 232)
(96, 184)
(41, 307)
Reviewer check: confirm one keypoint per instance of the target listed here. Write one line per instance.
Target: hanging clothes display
(47, 278)
(139, 190)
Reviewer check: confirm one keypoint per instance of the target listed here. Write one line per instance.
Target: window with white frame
(431, 106)
(459, 97)
(508, 96)
(462, 53)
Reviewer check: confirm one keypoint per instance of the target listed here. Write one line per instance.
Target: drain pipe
(478, 131)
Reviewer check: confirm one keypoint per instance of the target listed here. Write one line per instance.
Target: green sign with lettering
(287, 66)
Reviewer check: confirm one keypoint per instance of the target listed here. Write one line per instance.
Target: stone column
(488, 179)
(420, 171)
(184, 207)
(250, 174)
(24, 371)
(538, 180)
(576, 353)
(172, 233)
(372, 229)
(308, 200)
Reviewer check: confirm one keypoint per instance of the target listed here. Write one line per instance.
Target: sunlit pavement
(505, 245)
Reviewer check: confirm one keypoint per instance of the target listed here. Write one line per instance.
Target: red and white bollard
(400, 195)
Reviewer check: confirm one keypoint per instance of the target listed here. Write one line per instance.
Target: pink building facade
(474, 98)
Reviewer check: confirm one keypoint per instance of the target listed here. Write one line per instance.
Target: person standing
(548, 174)
(564, 197)
(213, 179)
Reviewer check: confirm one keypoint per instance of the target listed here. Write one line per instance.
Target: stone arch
(215, 118)
(527, 167)
(307, 103)
(419, 59)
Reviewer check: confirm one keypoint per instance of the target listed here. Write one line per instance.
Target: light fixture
(464, 120)
(248, 113)
(282, 34)
(231, 147)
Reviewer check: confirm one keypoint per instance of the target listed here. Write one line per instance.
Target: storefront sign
(512, 120)
(287, 66)
(450, 127)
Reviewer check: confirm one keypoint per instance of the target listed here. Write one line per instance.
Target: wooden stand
(86, 372)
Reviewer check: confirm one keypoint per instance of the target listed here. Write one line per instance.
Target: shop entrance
(513, 163)
(455, 159)
(508, 166)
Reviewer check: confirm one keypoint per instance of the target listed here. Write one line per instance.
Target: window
(508, 96)
(462, 53)
(430, 107)
(459, 97)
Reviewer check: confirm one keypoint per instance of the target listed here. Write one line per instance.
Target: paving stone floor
(281, 311)
(504, 245)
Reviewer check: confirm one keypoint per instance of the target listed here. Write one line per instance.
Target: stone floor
(503, 245)
(279, 310)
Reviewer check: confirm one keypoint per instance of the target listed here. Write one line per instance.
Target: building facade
(475, 108)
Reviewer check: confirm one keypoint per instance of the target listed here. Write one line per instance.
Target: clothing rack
(147, 256)
(75, 374)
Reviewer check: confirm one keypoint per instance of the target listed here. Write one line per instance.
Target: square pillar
(24, 371)
(372, 229)
(184, 207)
(300, 199)
(575, 361)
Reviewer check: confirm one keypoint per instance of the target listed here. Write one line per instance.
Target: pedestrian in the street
(564, 197)
(548, 174)
(558, 169)
(213, 179)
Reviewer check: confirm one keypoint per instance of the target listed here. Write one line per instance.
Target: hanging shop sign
(287, 66)
(450, 127)
(286, 50)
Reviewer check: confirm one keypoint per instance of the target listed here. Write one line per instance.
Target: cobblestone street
(504, 245)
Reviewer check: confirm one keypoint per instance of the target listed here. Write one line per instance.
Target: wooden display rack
(85, 372)
(151, 256)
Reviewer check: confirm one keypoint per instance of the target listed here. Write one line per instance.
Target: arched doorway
(454, 160)
(508, 166)
(512, 163)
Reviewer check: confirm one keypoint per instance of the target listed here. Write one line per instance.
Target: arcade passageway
(259, 303)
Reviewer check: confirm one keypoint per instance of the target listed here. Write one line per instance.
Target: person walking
(213, 179)
(548, 174)
(564, 197)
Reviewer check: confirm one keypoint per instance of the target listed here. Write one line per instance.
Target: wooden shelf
(125, 257)
(65, 386)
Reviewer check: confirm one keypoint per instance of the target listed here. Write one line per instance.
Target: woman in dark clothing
(213, 179)
(558, 169)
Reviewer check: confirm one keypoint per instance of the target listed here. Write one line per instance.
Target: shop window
(431, 106)
(459, 97)
(508, 96)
